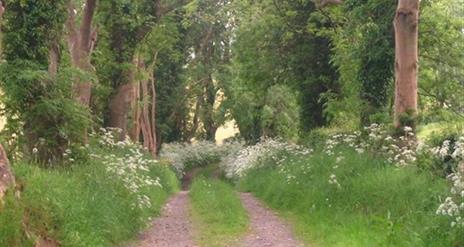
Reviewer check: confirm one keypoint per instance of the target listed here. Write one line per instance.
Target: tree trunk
(146, 123)
(6, 176)
(144, 108)
(406, 61)
(81, 45)
(53, 59)
(209, 122)
(119, 107)
(136, 114)
(153, 108)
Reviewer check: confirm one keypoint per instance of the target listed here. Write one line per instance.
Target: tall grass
(355, 200)
(82, 206)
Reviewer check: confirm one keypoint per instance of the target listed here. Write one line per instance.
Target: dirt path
(172, 228)
(267, 229)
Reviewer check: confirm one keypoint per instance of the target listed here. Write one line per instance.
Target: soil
(267, 229)
(172, 228)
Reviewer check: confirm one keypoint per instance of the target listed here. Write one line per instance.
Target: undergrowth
(86, 204)
(361, 201)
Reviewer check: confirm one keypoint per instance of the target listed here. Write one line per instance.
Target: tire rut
(267, 229)
(172, 228)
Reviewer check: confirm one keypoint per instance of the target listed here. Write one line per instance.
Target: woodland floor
(174, 227)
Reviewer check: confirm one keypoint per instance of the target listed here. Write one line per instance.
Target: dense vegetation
(362, 202)
(349, 113)
(99, 201)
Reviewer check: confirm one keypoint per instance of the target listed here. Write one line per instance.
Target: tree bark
(144, 108)
(7, 179)
(406, 60)
(154, 149)
(209, 122)
(136, 114)
(81, 45)
(53, 59)
(120, 107)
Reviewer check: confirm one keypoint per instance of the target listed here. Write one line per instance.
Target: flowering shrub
(399, 151)
(453, 206)
(237, 163)
(132, 166)
(184, 156)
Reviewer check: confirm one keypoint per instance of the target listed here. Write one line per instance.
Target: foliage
(280, 114)
(38, 104)
(273, 46)
(30, 38)
(172, 108)
(363, 53)
(209, 38)
(441, 60)
(220, 217)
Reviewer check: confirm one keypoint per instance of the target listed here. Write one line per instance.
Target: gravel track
(267, 229)
(172, 228)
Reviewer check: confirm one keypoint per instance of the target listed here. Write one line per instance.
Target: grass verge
(218, 214)
(80, 206)
(375, 204)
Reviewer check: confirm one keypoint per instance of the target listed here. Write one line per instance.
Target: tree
(37, 83)
(441, 60)
(125, 25)
(81, 42)
(209, 38)
(274, 44)
(406, 25)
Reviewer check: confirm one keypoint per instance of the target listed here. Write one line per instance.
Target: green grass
(377, 205)
(218, 214)
(78, 206)
(441, 128)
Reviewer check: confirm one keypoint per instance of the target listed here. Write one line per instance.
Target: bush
(185, 156)
(42, 116)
